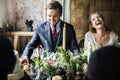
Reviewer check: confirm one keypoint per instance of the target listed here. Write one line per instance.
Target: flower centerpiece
(62, 63)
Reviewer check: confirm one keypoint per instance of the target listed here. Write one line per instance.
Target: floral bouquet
(63, 63)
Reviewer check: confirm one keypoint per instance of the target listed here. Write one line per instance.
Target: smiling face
(97, 21)
(53, 16)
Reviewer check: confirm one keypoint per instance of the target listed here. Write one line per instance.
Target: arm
(86, 40)
(29, 48)
(73, 42)
(31, 45)
(87, 45)
(89, 40)
(90, 44)
(114, 38)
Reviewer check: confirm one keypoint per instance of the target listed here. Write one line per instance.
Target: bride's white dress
(90, 44)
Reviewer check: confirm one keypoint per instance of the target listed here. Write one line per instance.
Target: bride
(99, 35)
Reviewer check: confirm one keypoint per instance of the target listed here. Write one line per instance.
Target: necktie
(54, 32)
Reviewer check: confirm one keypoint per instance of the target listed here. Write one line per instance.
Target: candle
(64, 37)
(57, 77)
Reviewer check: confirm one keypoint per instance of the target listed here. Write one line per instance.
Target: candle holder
(57, 77)
(77, 76)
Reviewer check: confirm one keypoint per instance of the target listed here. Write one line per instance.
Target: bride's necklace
(102, 40)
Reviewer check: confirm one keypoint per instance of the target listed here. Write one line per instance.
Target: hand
(24, 60)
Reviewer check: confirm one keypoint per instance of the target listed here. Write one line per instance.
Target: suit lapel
(59, 40)
(49, 36)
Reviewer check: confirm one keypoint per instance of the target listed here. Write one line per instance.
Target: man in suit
(43, 33)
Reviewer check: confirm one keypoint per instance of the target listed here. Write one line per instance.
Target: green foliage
(59, 63)
(51, 70)
(28, 23)
(37, 61)
(83, 57)
(2, 31)
(8, 27)
(65, 54)
(78, 66)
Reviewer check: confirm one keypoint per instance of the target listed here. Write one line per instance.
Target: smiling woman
(99, 35)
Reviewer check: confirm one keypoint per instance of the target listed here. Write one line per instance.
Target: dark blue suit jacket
(43, 36)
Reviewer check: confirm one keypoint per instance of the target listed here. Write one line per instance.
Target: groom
(45, 33)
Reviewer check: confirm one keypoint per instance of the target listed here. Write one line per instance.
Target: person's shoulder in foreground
(7, 57)
(104, 64)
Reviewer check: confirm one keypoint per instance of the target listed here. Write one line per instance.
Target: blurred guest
(104, 64)
(99, 35)
(7, 57)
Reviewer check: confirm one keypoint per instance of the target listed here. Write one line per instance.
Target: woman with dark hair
(104, 64)
(99, 35)
(7, 57)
